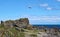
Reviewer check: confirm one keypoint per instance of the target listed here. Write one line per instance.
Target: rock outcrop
(22, 22)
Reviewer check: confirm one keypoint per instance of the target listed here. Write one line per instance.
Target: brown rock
(22, 22)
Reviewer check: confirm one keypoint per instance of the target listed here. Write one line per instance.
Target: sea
(48, 25)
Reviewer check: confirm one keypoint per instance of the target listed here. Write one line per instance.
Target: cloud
(44, 5)
(58, 0)
(43, 18)
(49, 8)
(46, 19)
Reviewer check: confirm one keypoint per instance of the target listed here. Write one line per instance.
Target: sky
(37, 11)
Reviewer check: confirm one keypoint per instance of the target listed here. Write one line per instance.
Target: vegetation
(21, 28)
(13, 32)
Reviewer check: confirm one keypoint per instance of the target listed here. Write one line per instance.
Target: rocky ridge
(22, 22)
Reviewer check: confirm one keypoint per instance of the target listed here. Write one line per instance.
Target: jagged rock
(22, 22)
(9, 23)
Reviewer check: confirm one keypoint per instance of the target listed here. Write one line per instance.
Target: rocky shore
(22, 28)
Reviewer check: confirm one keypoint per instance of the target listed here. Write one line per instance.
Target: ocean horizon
(47, 25)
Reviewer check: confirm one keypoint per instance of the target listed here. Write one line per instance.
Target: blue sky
(41, 11)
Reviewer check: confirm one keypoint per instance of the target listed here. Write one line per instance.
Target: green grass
(12, 32)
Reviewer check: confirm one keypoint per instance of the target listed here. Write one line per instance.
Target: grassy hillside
(13, 32)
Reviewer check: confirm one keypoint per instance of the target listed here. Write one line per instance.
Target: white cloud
(43, 18)
(49, 8)
(58, 0)
(47, 19)
(44, 5)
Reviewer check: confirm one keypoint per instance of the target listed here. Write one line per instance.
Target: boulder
(22, 22)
